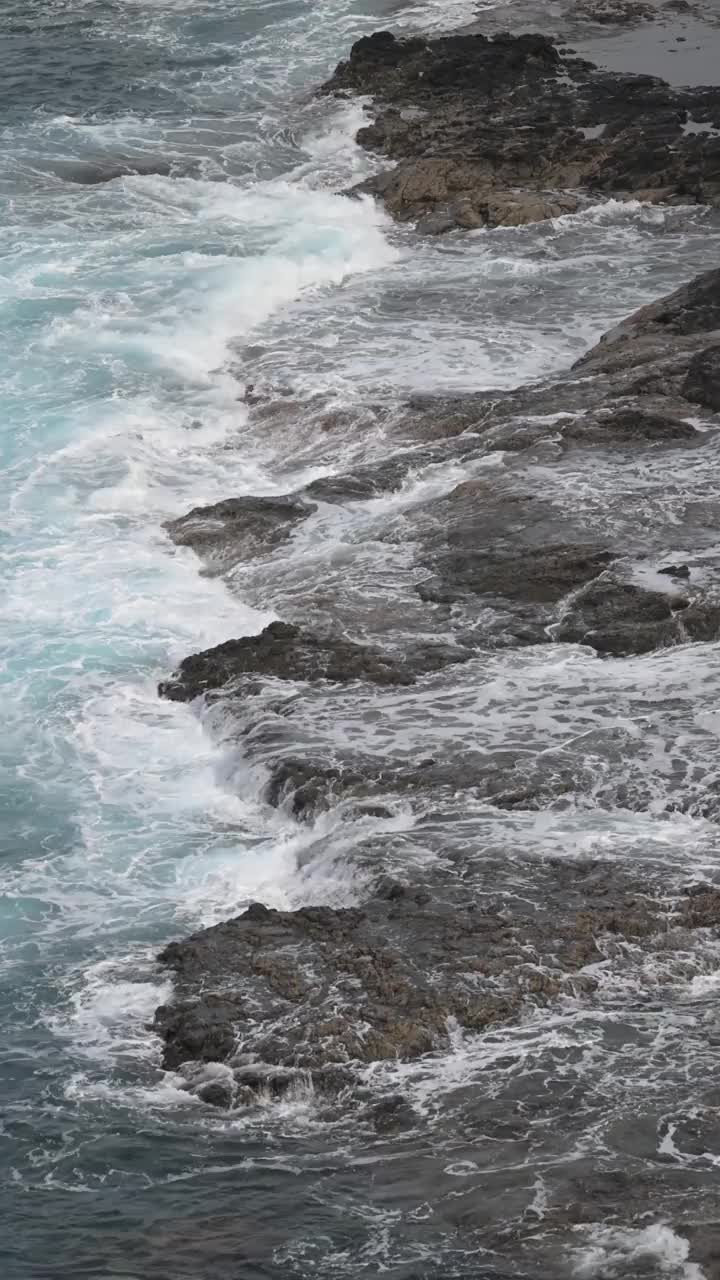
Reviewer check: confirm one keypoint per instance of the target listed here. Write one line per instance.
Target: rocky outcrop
(238, 528)
(270, 1001)
(506, 131)
(281, 651)
(620, 618)
(541, 575)
(284, 996)
(702, 384)
(664, 330)
(612, 12)
(499, 560)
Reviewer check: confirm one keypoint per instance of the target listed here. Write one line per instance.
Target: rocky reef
(504, 131)
(274, 1000)
(281, 997)
(497, 561)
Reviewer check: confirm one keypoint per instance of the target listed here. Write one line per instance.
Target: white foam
(108, 1013)
(611, 1250)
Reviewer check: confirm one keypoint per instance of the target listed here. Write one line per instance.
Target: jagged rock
(386, 978)
(611, 12)
(283, 651)
(201, 1032)
(701, 909)
(217, 1093)
(238, 528)
(504, 131)
(283, 999)
(680, 571)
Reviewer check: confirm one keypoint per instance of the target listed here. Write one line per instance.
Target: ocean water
(134, 308)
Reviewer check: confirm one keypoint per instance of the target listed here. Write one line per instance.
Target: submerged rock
(392, 1115)
(95, 172)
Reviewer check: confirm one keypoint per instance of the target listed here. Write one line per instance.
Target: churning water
(134, 307)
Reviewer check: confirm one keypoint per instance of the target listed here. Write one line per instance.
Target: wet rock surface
(273, 1000)
(442, 744)
(238, 527)
(509, 130)
(498, 559)
(278, 995)
(702, 384)
(281, 650)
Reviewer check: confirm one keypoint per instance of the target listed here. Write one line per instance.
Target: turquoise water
(119, 300)
(125, 302)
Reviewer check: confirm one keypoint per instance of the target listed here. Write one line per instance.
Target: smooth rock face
(693, 308)
(506, 131)
(633, 426)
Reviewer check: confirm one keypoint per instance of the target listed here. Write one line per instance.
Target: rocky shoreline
(512, 130)
(445, 937)
(276, 995)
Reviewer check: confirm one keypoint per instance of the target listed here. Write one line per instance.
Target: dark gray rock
(680, 571)
(329, 988)
(702, 384)
(239, 528)
(203, 1031)
(389, 975)
(620, 618)
(364, 482)
(217, 1093)
(692, 309)
(541, 575)
(612, 12)
(632, 426)
(95, 172)
(285, 652)
(509, 130)
(332, 987)
(392, 1115)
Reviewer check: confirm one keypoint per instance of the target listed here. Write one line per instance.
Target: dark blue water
(168, 191)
